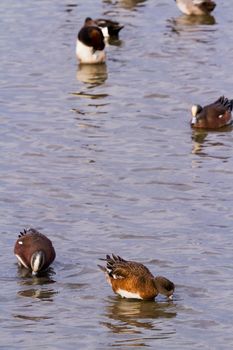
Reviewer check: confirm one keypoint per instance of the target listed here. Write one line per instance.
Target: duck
(90, 43)
(133, 280)
(196, 7)
(109, 28)
(34, 251)
(213, 116)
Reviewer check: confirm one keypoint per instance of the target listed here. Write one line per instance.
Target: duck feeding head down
(213, 116)
(133, 280)
(34, 251)
(90, 43)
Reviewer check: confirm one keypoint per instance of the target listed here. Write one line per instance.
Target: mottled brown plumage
(134, 280)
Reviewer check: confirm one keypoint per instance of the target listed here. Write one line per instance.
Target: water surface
(102, 159)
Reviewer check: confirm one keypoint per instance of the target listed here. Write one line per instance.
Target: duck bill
(194, 120)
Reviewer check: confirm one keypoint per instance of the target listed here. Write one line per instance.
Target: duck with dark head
(90, 43)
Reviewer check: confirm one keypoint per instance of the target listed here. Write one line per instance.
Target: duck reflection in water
(93, 74)
(127, 4)
(202, 144)
(136, 314)
(38, 286)
(198, 138)
(182, 23)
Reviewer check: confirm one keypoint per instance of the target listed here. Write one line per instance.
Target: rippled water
(102, 159)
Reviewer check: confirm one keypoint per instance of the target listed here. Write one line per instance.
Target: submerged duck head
(34, 250)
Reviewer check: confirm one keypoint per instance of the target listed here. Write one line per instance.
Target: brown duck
(131, 279)
(213, 116)
(34, 250)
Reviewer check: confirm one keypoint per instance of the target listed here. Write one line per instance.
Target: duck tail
(225, 102)
(102, 268)
(231, 105)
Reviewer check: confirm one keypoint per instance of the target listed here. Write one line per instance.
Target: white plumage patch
(183, 8)
(198, 2)
(116, 277)
(37, 263)
(108, 270)
(105, 31)
(129, 295)
(20, 242)
(221, 116)
(21, 262)
(194, 110)
(194, 120)
(86, 55)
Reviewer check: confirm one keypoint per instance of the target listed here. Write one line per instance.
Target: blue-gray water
(103, 160)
